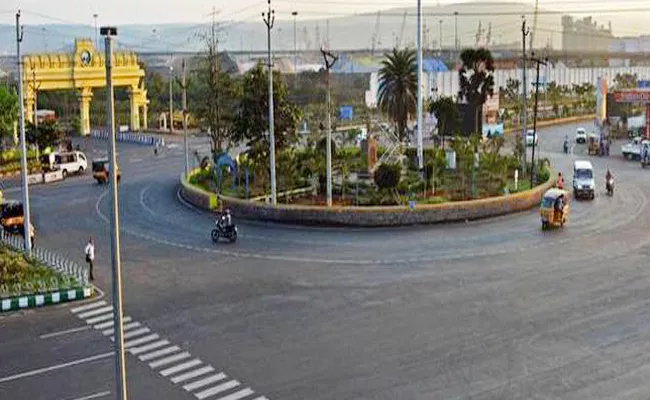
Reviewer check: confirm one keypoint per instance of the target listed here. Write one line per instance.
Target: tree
(47, 134)
(446, 111)
(8, 113)
(626, 81)
(215, 104)
(387, 176)
(251, 120)
(476, 80)
(398, 87)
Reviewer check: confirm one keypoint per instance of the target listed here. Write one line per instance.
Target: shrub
(387, 176)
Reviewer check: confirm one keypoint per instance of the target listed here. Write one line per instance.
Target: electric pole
(419, 89)
(269, 19)
(456, 30)
(533, 175)
(23, 144)
(171, 99)
(330, 59)
(524, 106)
(185, 144)
(118, 323)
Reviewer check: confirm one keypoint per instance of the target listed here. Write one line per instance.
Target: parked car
(70, 162)
(581, 135)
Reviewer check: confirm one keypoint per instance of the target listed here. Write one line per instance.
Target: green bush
(28, 274)
(387, 176)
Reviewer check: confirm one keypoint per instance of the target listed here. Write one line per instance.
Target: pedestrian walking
(32, 234)
(90, 257)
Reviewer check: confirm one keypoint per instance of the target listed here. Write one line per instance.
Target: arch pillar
(85, 95)
(134, 101)
(29, 105)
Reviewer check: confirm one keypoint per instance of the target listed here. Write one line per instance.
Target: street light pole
(118, 323)
(330, 59)
(185, 144)
(295, 48)
(419, 89)
(269, 19)
(456, 30)
(23, 145)
(440, 37)
(171, 100)
(533, 175)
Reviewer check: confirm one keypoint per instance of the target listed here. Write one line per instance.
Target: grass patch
(20, 276)
(523, 185)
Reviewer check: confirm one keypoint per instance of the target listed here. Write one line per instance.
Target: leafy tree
(398, 87)
(250, 123)
(47, 134)
(512, 92)
(446, 111)
(8, 113)
(626, 81)
(476, 79)
(387, 176)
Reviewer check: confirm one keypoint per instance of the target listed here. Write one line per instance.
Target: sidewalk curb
(44, 299)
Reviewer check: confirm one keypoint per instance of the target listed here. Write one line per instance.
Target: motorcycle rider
(225, 220)
(566, 143)
(560, 181)
(609, 179)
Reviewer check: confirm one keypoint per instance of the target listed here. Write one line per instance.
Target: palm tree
(398, 87)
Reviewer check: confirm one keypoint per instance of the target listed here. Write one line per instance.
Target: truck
(632, 150)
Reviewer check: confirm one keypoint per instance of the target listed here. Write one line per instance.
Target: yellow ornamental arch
(82, 71)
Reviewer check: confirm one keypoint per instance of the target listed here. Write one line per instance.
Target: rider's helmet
(227, 211)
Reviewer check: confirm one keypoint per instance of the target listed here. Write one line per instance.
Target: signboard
(631, 96)
(345, 112)
(643, 84)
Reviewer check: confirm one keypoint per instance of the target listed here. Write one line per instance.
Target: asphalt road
(494, 309)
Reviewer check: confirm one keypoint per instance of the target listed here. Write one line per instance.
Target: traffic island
(371, 216)
(41, 280)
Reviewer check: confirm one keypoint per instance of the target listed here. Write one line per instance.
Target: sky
(118, 12)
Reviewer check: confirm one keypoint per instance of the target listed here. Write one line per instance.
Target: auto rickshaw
(593, 143)
(550, 215)
(101, 168)
(11, 216)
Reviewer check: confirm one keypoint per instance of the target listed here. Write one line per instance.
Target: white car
(70, 162)
(581, 135)
(531, 138)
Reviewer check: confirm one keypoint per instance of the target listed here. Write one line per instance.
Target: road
(494, 309)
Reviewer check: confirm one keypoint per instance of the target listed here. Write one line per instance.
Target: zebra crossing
(170, 361)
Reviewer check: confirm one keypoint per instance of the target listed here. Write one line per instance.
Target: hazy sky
(167, 11)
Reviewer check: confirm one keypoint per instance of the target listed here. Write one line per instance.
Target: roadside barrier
(128, 137)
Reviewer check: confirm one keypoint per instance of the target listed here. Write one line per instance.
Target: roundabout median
(367, 216)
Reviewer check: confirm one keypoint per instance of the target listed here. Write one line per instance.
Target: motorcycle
(610, 187)
(227, 232)
(566, 147)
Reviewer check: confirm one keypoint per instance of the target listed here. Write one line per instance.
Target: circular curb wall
(374, 216)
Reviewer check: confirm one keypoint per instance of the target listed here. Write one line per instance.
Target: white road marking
(180, 367)
(110, 331)
(142, 340)
(55, 367)
(65, 332)
(205, 381)
(88, 306)
(216, 390)
(239, 395)
(159, 353)
(147, 347)
(192, 374)
(105, 325)
(261, 398)
(93, 313)
(134, 333)
(170, 359)
(93, 396)
(101, 318)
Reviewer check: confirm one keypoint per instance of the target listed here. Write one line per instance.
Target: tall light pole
(524, 95)
(23, 145)
(295, 46)
(171, 99)
(96, 31)
(330, 59)
(185, 144)
(118, 323)
(456, 30)
(419, 89)
(269, 19)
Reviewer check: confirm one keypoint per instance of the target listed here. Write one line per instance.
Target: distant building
(585, 35)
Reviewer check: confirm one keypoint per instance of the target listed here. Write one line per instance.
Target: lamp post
(419, 89)
(269, 19)
(171, 99)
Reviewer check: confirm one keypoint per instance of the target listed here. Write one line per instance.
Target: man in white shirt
(90, 257)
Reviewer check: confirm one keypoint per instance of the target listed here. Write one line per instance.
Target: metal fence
(127, 137)
(69, 269)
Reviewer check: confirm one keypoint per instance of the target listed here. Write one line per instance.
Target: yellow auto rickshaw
(11, 216)
(554, 210)
(593, 143)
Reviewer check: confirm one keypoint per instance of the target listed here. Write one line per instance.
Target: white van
(584, 184)
(70, 162)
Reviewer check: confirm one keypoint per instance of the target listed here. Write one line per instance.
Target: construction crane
(376, 39)
(402, 30)
(534, 30)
